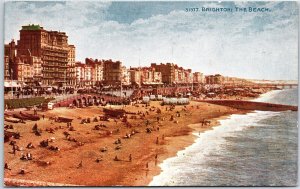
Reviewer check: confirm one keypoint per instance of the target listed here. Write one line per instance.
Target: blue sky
(249, 45)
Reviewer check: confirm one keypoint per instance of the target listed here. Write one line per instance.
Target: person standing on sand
(35, 127)
(37, 133)
(130, 158)
(14, 149)
(157, 119)
(29, 156)
(22, 172)
(80, 164)
(116, 158)
(29, 145)
(172, 118)
(6, 166)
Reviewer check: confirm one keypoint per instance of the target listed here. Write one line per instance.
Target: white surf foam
(173, 169)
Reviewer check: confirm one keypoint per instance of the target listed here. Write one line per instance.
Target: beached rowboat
(30, 116)
(114, 112)
(64, 119)
(12, 120)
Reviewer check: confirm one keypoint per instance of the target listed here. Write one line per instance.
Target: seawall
(250, 105)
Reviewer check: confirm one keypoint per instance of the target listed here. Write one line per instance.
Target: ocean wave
(244, 150)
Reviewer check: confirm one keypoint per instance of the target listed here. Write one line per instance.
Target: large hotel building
(49, 49)
(51, 46)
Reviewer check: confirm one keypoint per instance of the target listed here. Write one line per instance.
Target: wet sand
(63, 165)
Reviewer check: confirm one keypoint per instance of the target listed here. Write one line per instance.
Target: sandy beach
(147, 149)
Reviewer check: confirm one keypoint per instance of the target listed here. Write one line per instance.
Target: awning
(11, 84)
(151, 83)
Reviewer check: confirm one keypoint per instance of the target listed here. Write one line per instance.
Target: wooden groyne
(251, 105)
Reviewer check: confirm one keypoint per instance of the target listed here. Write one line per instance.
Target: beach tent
(183, 101)
(159, 97)
(146, 99)
(173, 101)
(152, 97)
(166, 100)
(179, 101)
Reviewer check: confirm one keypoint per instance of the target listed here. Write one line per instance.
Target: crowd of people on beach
(147, 118)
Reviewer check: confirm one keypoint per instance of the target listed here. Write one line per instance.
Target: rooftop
(32, 27)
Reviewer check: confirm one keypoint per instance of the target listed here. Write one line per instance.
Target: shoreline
(177, 136)
(193, 134)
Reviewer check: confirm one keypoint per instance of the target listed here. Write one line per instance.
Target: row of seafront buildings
(46, 57)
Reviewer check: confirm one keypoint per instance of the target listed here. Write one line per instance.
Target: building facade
(79, 74)
(167, 71)
(125, 76)
(10, 52)
(198, 78)
(71, 77)
(84, 74)
(29, 69)
(96, 70)
(214, 79)
(173, 74)
(6, 68)
(112, 72)
(54, 51)
(135, 76)
(145, 76)
(150, 76)
(24, 68)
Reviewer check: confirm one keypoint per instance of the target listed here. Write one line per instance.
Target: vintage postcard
(150, 93)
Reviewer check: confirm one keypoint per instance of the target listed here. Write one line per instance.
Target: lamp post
(121, 89)
(192, 85)
(65, 82)
(11, 82)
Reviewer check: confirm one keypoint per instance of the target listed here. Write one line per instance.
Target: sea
(255, 149)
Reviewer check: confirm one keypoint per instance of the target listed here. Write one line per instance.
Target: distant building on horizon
(198, 78)
(225, 80)
(145, 76)
(173, 74)
(167, 70)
